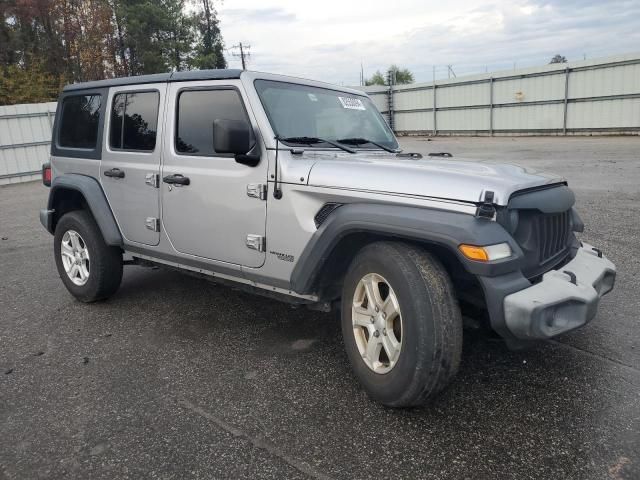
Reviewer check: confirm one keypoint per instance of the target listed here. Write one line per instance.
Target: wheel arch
(79, 192)
(349, 228)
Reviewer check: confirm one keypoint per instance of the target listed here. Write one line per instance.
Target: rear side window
(134, 121)
(79, 123)
(197, 109)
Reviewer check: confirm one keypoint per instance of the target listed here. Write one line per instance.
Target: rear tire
(420, 337)
(89, 268)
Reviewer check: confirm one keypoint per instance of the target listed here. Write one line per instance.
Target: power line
(450, 72)
(244, 53)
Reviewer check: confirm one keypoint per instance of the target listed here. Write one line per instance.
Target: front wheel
(401, 323)
(89, 268)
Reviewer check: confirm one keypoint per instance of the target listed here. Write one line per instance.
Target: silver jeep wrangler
(297, 189)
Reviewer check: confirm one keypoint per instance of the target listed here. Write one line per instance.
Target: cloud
(259, 15)
(329, 43)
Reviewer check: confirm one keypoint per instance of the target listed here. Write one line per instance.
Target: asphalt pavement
(176, 377)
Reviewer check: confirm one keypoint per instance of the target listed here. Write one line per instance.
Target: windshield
(303, 111)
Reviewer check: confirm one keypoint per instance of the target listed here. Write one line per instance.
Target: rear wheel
(89, 268)
(401, 323)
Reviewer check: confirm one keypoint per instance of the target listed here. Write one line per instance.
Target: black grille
(553, 233)
(324, 212)
(545, 239)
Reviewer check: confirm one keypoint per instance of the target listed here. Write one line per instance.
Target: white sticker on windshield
(312, 97)
(351, 103)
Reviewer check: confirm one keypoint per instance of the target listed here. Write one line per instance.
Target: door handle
(114, 173)
(176, 179)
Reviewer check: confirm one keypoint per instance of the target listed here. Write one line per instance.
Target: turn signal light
(474, 253)
(487, 253)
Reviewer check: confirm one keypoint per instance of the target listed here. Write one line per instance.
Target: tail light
(46, 174)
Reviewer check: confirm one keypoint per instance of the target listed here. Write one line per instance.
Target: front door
(210, 215)
(130, 165)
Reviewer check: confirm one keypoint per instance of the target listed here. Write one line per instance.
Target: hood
(462, 180)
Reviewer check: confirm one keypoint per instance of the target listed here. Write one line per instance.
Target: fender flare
(445, 228)
(96, 201)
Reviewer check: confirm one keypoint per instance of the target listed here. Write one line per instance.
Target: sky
(328, 40)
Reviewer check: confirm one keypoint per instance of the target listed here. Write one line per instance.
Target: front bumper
(563, 300)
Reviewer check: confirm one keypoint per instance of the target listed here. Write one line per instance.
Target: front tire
(89, 268)
(401, 323)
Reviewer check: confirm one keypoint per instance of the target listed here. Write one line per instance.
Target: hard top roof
(193, 75)
(221, 74)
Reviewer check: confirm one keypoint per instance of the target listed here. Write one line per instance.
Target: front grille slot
(553, 232)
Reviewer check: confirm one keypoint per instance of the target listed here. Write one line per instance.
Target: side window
(134, 121)
(79, 122)
(197, 109)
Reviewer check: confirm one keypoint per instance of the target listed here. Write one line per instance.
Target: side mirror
(236, 137)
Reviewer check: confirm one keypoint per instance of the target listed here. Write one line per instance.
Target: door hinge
(153, 224)
(256, 242)
(257, 190)
(152, 179)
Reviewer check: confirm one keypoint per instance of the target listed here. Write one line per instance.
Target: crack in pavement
(596, 355)
(257, 441)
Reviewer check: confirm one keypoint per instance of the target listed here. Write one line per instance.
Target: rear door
(130, 165)
(216, 216)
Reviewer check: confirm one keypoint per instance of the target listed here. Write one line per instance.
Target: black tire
(105, 264)
(431, 336)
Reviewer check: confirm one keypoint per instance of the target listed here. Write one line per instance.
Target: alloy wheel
(377, 323)
(75, 257)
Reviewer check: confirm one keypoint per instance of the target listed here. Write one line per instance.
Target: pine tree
(209, 52)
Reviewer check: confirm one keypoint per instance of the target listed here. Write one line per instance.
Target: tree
(558, 59)
(210, 47)
(47, 43)
(181, 36)
(27, 85)
(376, 79)
(400, 77)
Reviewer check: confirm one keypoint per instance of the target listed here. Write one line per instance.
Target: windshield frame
(330, 88)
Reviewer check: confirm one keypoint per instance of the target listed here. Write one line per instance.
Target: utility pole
(243, 54)
(450, 71)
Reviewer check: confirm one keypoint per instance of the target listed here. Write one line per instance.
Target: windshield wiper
(312, 140)
(362, 141)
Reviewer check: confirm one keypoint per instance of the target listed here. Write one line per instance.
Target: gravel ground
(175, 377)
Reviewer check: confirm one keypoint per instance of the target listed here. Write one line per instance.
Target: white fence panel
(532, 118)
(468, 120)
(414, 121)
(413, 99)
(602, 82)
(612, 114)
(462, 95)
(529, 89)
(25, 137)
(380, 101)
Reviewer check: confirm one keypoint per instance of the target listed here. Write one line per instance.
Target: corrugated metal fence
(595, 96)
(25, 137)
